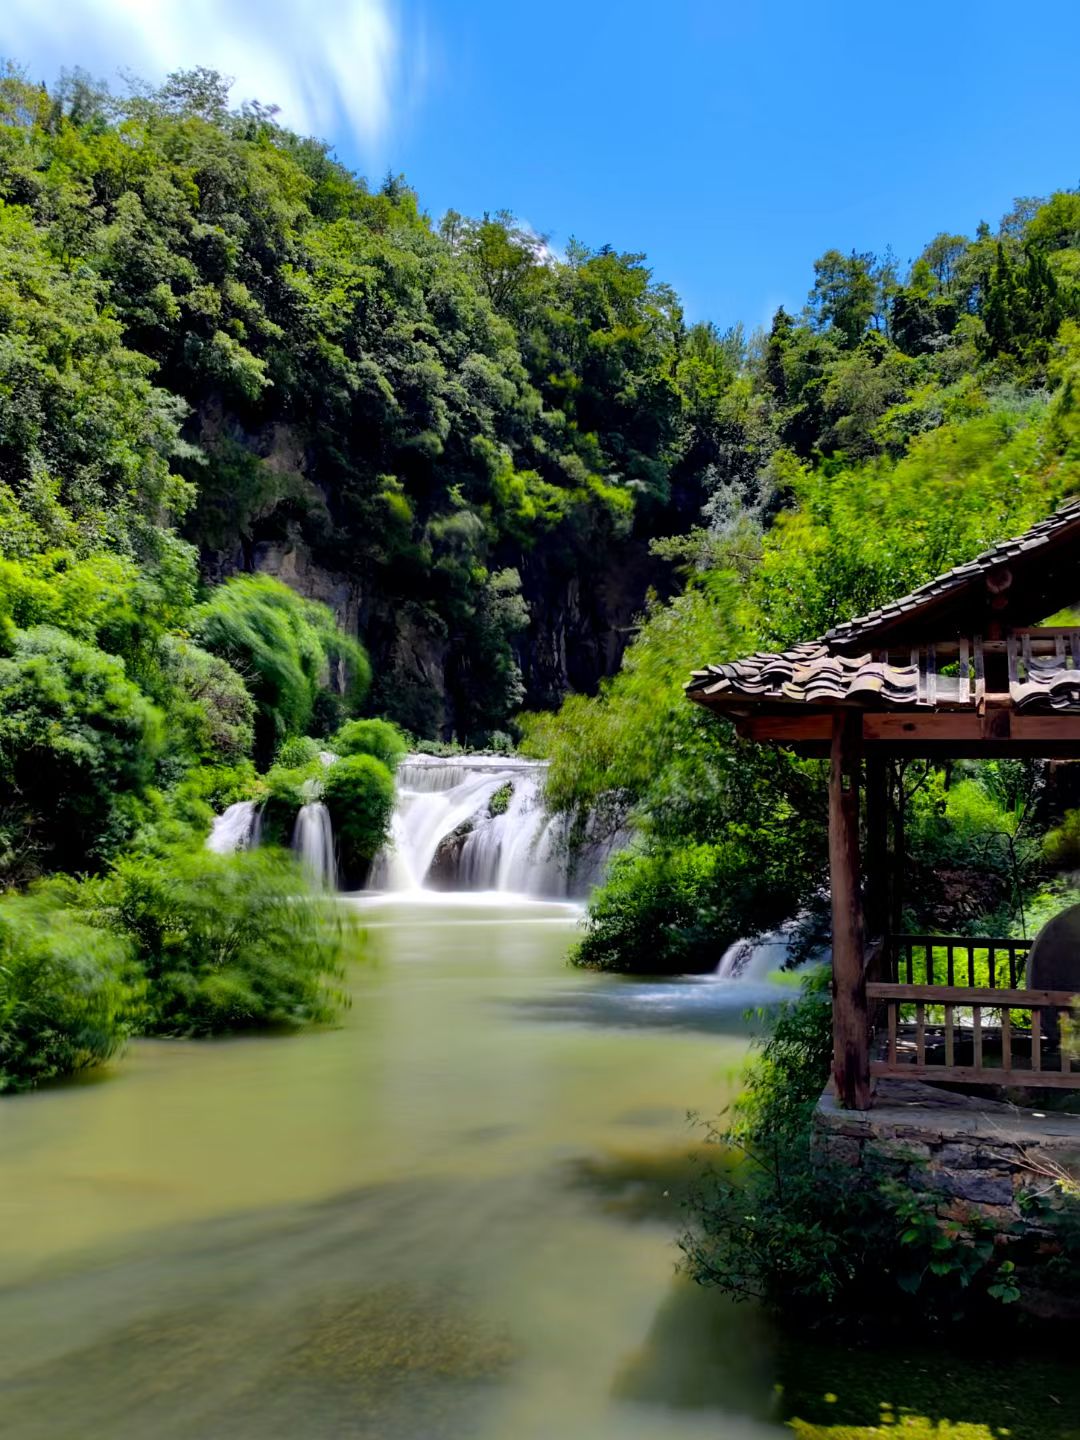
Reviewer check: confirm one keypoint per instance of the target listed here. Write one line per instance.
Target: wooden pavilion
(961, 668)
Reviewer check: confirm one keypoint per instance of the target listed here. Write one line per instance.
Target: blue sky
(731, 143)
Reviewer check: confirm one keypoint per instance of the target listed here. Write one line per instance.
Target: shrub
(677, 909)
(78, 744)
(779, 1222)
(359, 793)
(226, 942)
(69, 993)
(500, 801)
(1061, 846)
(298, 752)
(286, 789)
(286, 648)
(217, 786)
(212, 709)
(372, 737)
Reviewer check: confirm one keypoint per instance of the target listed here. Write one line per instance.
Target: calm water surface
(450, 1217)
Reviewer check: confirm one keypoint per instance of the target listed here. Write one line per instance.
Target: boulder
(1054, 962)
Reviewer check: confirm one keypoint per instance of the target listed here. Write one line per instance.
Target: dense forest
(479, 468)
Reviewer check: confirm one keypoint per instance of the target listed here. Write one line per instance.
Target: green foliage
(782, 1223)
(285, 789)
(732, 836)
(678, 909)
(226, 942)
(206, 790)
(371, 737)
(78, 745)
(283, 645)
(500, 801)
(298, 753)
(211, 709)
(1061, 845)
(69, 993)
(359, 793)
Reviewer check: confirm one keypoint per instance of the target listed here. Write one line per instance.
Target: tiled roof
(810, 674)
(863, 626)
(817, 673)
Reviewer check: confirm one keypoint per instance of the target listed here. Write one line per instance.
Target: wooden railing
(948, 959)
(953, 1047)
(951, 1008)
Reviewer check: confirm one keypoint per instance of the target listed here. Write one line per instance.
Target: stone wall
(977, 1156)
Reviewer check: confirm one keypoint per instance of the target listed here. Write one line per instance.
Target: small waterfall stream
(313, 841)
(236, 828)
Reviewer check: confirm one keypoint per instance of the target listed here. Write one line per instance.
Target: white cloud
(332, 65)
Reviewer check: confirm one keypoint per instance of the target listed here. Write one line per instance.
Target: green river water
(452, 1216)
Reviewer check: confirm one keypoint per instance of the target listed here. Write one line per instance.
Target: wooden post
(877, 847)
(851, 1024)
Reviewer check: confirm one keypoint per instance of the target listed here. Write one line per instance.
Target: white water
(755, 960)
(522, 851)
(235, 829)
(313, 841)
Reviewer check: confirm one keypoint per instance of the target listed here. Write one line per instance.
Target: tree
(845, 294)
(78, 746)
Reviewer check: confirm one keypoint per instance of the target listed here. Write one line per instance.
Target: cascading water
(766, 955)
(237, 828)
(313, 839)
(447, 834)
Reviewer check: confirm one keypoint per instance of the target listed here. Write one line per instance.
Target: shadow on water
(705, 1352)
(972, 1387)
(639, 1185)
(698, 1003)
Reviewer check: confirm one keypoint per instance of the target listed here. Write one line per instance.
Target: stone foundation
(979, 1156)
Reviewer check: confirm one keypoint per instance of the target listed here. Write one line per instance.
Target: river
(450, 1216)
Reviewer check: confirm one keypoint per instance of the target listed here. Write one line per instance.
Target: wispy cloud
(336, 67)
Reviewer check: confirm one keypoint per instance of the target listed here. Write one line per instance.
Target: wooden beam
(1059, 729)
(788, 729)
(971, 995)
(912, 726)
(976, 1075)
(851, 1022)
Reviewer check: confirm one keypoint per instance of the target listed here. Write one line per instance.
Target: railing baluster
(976, 1035)
(1006, 1038)
(950, 1057)
(971, 964)
(1036, 1040)
(949, 980)
(920, 1033)
(910, 963)
(894, 1008)
(929, 962)
(990, 953)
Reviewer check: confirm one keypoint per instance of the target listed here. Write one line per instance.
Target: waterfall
(444, 834)
(237, 828)
(313, 841)
(759, 958)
